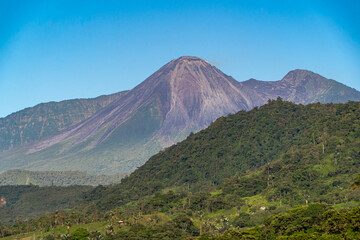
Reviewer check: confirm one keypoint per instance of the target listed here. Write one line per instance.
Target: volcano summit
(183, 96)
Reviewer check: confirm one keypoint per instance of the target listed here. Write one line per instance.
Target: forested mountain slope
(242, 177)
(46, 119)
(33, 201)
(283, 146)
(56, 178)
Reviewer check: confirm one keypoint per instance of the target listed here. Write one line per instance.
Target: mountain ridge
(35, 123)
(183, 96)
(304, 86)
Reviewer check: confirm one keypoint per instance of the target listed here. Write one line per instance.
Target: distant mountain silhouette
(302, 86)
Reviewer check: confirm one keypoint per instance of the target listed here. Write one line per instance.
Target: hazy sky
(54, 50)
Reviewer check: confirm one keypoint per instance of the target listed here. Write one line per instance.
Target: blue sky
(55, 50)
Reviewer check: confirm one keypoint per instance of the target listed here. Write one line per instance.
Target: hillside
(243, 176)
(46, 119)
(34, 201)
(281, 146)
(56, 178)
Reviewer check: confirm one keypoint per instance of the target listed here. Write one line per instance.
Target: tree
(356, 183)
(80, 234)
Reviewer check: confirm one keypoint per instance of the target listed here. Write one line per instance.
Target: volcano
(186, 94)
(183, 96)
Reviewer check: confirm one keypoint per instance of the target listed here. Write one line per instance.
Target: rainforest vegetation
(281, 171)
(56, 178)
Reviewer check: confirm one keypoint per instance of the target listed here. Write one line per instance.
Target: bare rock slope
(183, 96)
